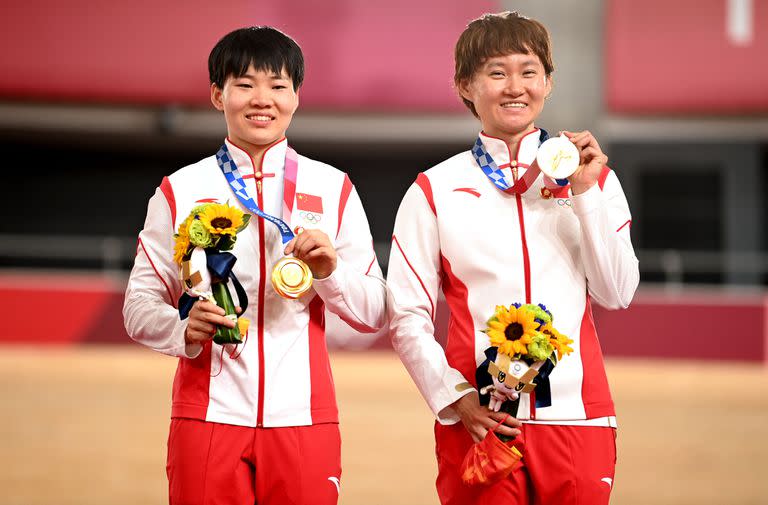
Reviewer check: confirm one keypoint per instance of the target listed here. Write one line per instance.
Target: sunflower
(221, 219)
(512, 329)
(559, 341)
(182, 241)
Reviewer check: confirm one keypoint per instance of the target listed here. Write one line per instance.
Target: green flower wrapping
(199, 235)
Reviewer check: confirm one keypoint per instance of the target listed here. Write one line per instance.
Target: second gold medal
(291, 278)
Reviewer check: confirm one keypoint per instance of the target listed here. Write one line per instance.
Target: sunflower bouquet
(525, 347)
(205, 266)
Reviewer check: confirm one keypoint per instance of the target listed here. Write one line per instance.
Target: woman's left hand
(315, 249)
(591, 161)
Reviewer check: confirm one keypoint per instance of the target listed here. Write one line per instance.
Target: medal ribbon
(491, 170)
(235, 180)
(220, 265)
(543, 391)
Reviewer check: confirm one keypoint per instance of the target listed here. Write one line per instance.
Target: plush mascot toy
(195, 275)
(502, 378)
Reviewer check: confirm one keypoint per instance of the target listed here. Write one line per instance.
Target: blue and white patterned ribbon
(489, 167)
(232, 173)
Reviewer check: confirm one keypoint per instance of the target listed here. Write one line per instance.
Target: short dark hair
(498, 35)
(264, 47)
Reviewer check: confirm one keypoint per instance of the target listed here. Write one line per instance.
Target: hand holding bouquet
(205, 267)
(525, 347)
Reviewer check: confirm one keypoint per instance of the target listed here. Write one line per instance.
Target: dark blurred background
(102, 99)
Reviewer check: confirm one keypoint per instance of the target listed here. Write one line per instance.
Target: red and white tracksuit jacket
(281, 375)
(485, 247)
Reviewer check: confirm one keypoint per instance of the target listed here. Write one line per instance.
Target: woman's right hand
(203, 320)
(478, 419)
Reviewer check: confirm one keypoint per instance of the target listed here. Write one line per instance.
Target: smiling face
(258, 107)
(508, 94)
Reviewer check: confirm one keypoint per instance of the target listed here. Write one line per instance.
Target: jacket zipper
(524, 244)
(260, 315)
(526, 257)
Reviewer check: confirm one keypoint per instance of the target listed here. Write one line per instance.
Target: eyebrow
(273, 76)
(500, 64)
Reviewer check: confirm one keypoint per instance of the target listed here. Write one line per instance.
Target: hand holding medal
(314, 255)
(312, 250)
(590, 158)
(557, 157)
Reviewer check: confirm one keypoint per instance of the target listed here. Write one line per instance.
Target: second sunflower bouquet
(205, 266)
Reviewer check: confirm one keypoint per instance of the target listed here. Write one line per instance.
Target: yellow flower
(242, 325)
(511, 329)
(182, 241)
(221, 219)
(558, 340)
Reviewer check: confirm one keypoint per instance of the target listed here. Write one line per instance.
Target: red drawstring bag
(490, 460)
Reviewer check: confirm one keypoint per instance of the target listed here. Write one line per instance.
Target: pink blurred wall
(686, 56)
(372, 56)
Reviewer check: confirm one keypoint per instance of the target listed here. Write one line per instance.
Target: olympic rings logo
(311, 217)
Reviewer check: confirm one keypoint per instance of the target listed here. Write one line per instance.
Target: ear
(216, 97)
(464, 90)
(549, 85)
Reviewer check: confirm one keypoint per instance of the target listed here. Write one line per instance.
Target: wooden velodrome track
(88, 425)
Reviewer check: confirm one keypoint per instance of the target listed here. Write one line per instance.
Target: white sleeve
(355, 291)
(606, 247)
(149, 310)
(413, 281)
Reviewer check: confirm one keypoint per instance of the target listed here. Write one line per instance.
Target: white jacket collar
(499, 150)
(273, 161)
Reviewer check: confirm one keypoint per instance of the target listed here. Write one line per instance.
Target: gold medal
(558, 158)
(291, 278)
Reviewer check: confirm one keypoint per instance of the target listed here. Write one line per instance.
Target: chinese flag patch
(309, 203)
